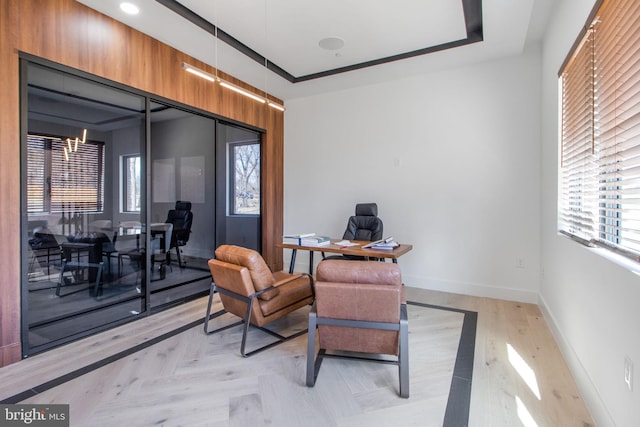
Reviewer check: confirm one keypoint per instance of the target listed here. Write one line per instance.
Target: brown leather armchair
(360, 307)
(249, 289)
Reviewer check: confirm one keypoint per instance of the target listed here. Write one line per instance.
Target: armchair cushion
(359, 290)
(260, 273)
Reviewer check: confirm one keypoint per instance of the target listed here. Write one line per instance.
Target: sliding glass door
(238, 208)
(77, 223)
(182, 169)
(125, 200)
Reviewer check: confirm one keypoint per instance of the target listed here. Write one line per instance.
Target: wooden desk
(344, 250)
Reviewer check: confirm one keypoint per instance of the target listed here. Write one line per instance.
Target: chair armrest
(283, 278)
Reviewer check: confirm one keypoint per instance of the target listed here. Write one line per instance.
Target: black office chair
(364, 225)
(182, 218)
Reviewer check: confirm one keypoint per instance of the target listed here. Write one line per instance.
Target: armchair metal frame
(246, 320)
(314, 362)
(251, 291)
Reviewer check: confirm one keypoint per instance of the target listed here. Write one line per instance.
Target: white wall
(590, 302)
(453, 161)
(470, 217)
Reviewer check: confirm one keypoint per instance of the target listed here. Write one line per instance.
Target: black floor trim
(98, 364)
(456, 414)
(459, 402)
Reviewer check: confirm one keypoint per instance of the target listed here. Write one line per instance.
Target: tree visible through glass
(247, 179)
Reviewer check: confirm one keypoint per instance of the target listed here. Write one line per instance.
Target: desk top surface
(351, 250)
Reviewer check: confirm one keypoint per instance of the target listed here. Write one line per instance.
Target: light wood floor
(519, 376)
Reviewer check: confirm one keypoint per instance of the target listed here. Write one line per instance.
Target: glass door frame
(24, 60)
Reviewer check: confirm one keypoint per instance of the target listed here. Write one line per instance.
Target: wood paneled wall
(69, 33)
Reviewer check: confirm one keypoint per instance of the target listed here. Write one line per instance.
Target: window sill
(618, 259)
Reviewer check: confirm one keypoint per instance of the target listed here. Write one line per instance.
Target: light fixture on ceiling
(129, 8)
(276, 106)
(266, 95)
(331, 43)
(198, 72)
(228, 85)
(72, 144)
(241, 91)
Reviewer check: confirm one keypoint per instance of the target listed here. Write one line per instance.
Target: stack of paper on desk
(315, 241)
(387, 244)
(294, 239)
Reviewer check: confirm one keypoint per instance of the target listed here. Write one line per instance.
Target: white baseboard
(590, 394)
(473, 289)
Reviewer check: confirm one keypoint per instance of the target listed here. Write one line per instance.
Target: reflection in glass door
(238, 172)
(76, 234)
(126, 200)
(182, 202)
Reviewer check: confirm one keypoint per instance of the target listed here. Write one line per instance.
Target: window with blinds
(36, 166)
(131, 183)
(600, 140)
(59, 181)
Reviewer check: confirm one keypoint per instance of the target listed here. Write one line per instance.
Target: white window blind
(58, 183)
(132, 183)
(600, 166)
(36, 174)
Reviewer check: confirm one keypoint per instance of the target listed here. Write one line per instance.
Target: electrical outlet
(628, 372)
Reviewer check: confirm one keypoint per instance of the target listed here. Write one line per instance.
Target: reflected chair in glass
(249, 289)
(136, 254)
(360, 308)
(130, 225)
(43, 243)
(160, 246)
(109, 250)
(182, 218)
(83, 252)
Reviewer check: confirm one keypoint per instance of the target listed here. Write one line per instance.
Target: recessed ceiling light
(331, 43)
(129, 8)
